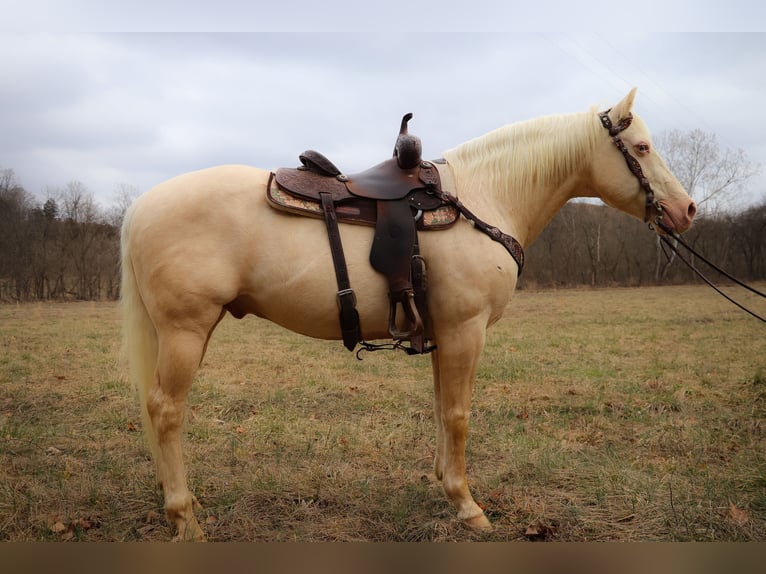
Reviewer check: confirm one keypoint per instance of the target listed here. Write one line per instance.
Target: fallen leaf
(152, 516)
(541, 531)
(240, 430)
(131, 427)
(737, 515)
(86, 523)
(58, 528)
(68, 535)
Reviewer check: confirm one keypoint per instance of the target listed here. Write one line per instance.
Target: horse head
(636, 179)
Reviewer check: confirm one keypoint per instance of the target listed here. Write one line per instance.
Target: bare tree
(82, 231)
(124, 194)
(712, 176)
(15, 253)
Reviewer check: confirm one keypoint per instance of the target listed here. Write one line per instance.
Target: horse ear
(622, 110)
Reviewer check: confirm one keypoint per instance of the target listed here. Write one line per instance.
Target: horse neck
(519, 176)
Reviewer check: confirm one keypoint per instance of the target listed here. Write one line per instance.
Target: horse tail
(140, 348)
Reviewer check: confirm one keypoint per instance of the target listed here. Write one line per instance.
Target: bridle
(633, 165)
(654, 204)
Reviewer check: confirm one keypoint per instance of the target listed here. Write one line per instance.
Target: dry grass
(625, 414)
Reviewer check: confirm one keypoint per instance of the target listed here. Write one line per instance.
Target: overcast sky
(111, 98)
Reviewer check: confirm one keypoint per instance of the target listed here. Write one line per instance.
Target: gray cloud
(137, 108)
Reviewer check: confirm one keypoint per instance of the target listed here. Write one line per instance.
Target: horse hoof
(189, 532)
(198, 536)
(478, 523)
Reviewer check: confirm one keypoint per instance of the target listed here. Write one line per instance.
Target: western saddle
(397, 196)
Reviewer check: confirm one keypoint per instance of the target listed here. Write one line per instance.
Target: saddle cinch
(398, 197)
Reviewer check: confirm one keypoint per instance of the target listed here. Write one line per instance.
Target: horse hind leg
(179, 355)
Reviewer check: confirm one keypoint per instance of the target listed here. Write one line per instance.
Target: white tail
(139, 336)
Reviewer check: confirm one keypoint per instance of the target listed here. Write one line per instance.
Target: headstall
(633, 165)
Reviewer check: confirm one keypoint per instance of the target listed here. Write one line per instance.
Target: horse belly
(291, 280)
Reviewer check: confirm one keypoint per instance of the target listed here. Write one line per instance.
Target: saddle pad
(360, 212)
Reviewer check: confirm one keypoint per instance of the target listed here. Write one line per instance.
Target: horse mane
(526, 155)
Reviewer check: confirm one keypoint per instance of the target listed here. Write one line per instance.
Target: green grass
(619, 414)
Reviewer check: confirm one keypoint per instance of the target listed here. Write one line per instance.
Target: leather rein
(653, 204)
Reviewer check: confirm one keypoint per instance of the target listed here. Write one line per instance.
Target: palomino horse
(207, 242)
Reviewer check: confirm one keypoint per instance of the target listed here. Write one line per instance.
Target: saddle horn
(408, 148)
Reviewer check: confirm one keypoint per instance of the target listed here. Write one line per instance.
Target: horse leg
(180, 353)
(454, 365)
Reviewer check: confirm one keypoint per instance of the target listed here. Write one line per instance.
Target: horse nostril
(692, 211)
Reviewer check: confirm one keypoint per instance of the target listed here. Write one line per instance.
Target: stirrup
(413, 329)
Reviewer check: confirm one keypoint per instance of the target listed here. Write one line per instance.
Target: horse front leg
(454, 367)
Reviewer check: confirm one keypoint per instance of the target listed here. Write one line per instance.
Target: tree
(712, 176)
(81, 235)
(50, 209)
(123, 198)
(15, 252)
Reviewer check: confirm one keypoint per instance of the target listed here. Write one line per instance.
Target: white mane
(535, 153)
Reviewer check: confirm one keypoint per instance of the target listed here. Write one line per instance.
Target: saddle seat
(385, 181)
(390, 180)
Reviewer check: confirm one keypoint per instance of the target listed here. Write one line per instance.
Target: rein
(651, 202)
(699, 274)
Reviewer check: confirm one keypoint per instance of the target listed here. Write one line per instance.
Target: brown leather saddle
(397, 196)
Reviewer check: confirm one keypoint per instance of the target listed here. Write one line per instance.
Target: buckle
(345, 293)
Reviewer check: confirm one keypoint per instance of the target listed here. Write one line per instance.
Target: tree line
(598, 246)
(67, 247)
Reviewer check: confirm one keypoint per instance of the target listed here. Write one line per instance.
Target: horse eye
(642, 148)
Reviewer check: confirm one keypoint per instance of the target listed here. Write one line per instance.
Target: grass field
(620, 414)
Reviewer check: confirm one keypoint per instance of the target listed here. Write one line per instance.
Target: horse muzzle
(672, 217)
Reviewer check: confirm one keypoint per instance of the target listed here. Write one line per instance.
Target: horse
(207, 243)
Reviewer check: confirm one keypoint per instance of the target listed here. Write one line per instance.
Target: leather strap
(510, 243)
(349, 316)
(633, 164)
